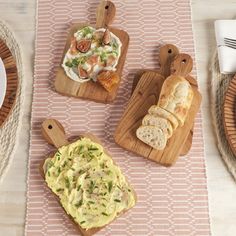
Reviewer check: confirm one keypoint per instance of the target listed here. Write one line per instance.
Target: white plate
(3, 82)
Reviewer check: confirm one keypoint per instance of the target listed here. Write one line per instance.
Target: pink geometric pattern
(171, 201)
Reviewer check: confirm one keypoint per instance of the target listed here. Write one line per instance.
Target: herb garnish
(104, 213)
(79, 204)
(91, 187)
(60, 189)
(67, 182)
(109, 186)
(82, 222)
(79, 187)
(117, 200)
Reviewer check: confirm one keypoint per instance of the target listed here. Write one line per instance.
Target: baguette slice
(159, 122)
(153, 136)
(176, 97)
(157, 111)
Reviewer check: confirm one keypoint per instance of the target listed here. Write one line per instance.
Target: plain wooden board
(145, 95)
(229, 115)
(20, 15)
(12, 82)
(90, 90)
(54, 134)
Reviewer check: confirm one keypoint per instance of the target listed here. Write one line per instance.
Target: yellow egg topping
(90, 186)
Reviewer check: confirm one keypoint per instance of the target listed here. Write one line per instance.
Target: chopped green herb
(72, 168)
(81, 172)
(50, 164)
(69, 64)
(82, 222)
(67, 182)
(64, 164)
(103, 56)
(59, 170)
(104, 213)
(70, 159)
(129, 190)
(86, 30)
(60, 189)
(102, 165)
(49, 173)
(91, 187)
(115, 45)
(91, 202)
(79, 204)
(79, 187)
(117, 200)
(75, 62)
(110, 186)
(103, 205)
(93, 148)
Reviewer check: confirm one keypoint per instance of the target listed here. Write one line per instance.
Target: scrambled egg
(90, 186)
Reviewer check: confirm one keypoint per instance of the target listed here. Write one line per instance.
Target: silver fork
(231, 43)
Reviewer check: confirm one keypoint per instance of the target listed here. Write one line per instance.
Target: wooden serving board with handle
(54, 133)
(91, 90)
(167, 54)
(144, 96)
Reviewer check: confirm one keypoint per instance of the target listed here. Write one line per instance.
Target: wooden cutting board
(229, 114)
(144, 96)
(12, 82)
(54, 134)
(91, 90)
(167, 54)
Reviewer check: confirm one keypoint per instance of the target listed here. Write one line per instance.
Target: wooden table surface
(20, 15)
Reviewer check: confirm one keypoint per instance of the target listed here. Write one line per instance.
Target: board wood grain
(229, 114)
(91, 90)
(144, 96)
(12, 82)
(54, 133)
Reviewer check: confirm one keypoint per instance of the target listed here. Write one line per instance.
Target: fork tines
(230, 43)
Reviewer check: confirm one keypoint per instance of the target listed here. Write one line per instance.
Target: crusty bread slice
(176, 97)
(153, 136)
(81, 230)
(159, 122)
(157, 111)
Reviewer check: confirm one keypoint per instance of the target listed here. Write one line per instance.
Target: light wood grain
(91, 90)
(12, 82)
(144, 96)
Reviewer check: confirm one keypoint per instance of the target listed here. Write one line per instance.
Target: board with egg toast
(159, 117)
(93, 58)
(86, 182)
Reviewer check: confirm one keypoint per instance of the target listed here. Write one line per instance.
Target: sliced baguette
(176, 97)
(157, 111)
(159, 122)
(153, 136)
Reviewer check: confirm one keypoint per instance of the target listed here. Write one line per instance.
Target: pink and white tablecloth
(171, 201)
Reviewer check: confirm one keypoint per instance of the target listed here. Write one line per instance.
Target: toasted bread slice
(159, 122)
(153, 136)
(157, 111)
(176, 97)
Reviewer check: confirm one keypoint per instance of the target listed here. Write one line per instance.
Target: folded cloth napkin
(227, 55)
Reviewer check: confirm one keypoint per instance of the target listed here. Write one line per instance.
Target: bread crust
(160, 112)
(82, 231)
(176, 97)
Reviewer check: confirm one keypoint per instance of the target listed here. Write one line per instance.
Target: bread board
(144, 96)
(229, 114)
(12, 82)
(91, 90)
(167, 54)
(54, 133)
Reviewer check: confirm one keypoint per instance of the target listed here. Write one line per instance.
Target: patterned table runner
(171, 201)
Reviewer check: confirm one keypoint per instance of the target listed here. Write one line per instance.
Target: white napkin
(226, 55)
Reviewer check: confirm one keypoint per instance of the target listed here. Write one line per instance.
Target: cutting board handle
(167, 54)
(182, 65)
(54, 133)
(106, 12)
